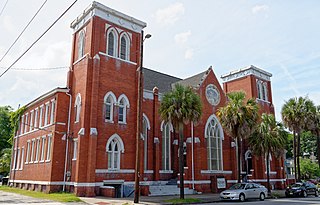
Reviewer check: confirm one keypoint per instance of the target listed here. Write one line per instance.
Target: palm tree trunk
(268, 173)
(298, 156)
(294, 155)
(239, 159)
(181, 161)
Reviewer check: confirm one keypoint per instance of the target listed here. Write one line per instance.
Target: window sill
(127, 61)
(74, 159)
(122, 123)
(48, 160)
(35, 162)
(109, 121)
(166, 171)
(41, 161)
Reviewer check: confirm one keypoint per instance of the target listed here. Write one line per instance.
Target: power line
(3, 7)
(39, 38)
(44, 68)
(23, 30)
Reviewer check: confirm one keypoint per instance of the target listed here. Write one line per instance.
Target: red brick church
(82, 138)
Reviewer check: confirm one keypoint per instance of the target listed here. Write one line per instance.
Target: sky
(281, 37)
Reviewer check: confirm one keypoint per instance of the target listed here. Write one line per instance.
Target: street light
(139, 121)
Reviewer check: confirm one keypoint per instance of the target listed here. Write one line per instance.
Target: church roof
(193, 81)
(156, 79)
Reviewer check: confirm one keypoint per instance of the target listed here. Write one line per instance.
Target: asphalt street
(281, 201)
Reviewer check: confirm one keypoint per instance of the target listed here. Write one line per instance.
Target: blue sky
(281, 37)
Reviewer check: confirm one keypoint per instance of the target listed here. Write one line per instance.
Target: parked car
(318, 186)
(302, 189)
(243, 191)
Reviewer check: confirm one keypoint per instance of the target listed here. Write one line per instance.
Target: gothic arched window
(123, 103)
(77, 107)
(112, 43)
(166, 129)
(124, 47)
(145, 128)
(81, 41)
(109, 101)
(114, 149)
(214, 136)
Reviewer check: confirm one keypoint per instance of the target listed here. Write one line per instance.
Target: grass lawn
(61, 197)
(186, 200)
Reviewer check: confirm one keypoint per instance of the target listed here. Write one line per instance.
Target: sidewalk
(205, 198)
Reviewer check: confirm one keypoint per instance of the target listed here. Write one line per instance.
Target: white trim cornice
(250, 70)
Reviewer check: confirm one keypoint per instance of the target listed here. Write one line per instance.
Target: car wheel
(262, 197)
(242, 198)
(304, 194)
(316, 194)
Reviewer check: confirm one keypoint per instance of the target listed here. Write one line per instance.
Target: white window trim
(43, 146)
(33, 144)
(49, 148)
(214, 117)
(115, 35)
(46, 114)
(145, 146)
(40, 116)
(22, 159)
(128, 43)
(14, 159)
(26, 123)
(17, 165)
(28, 152)
(81, 43)
(75, 149)
(170, 127)
(37, 150)
(52, 113)
(22, 125)
(77, 105)
(114, 100)
(125, 107)
(119, 141)
(31, 120)
(36, 114)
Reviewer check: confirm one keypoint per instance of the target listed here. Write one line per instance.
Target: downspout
(67, 143)
(192, 161)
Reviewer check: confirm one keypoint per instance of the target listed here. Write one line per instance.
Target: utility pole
(139, 122)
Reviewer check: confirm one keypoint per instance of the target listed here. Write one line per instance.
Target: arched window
(214, 136)
(166, 129)
(124, 47)
(114, 149)
(265, 91)
(248, 158)
(145, 128)
(81, 41)
(112, 43)
(123, 103)
(109, 101)
(77, 106)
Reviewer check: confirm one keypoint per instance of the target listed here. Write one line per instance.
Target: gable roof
(194, 81)
(162, 81)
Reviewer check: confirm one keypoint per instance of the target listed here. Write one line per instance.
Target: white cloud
(8, 24)
(260, 8)
(182, 38)
(188, 54)
(169, 15)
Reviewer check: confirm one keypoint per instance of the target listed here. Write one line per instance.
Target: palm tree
(181, 105)
(269, 139)
(295, 117)
(238, 118)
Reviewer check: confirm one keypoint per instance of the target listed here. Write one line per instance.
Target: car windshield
(238, 186)
(296, 185)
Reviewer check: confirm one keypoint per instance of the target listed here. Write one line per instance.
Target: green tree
(289, 146)
(294, 114)
(181, 105)
(308, 142)
(5, 160)
(309, 170)
(6, 129)
(239, 119)
(269, 139)
(313, 122)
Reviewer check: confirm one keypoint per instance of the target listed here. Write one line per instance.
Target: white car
(243, 191)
